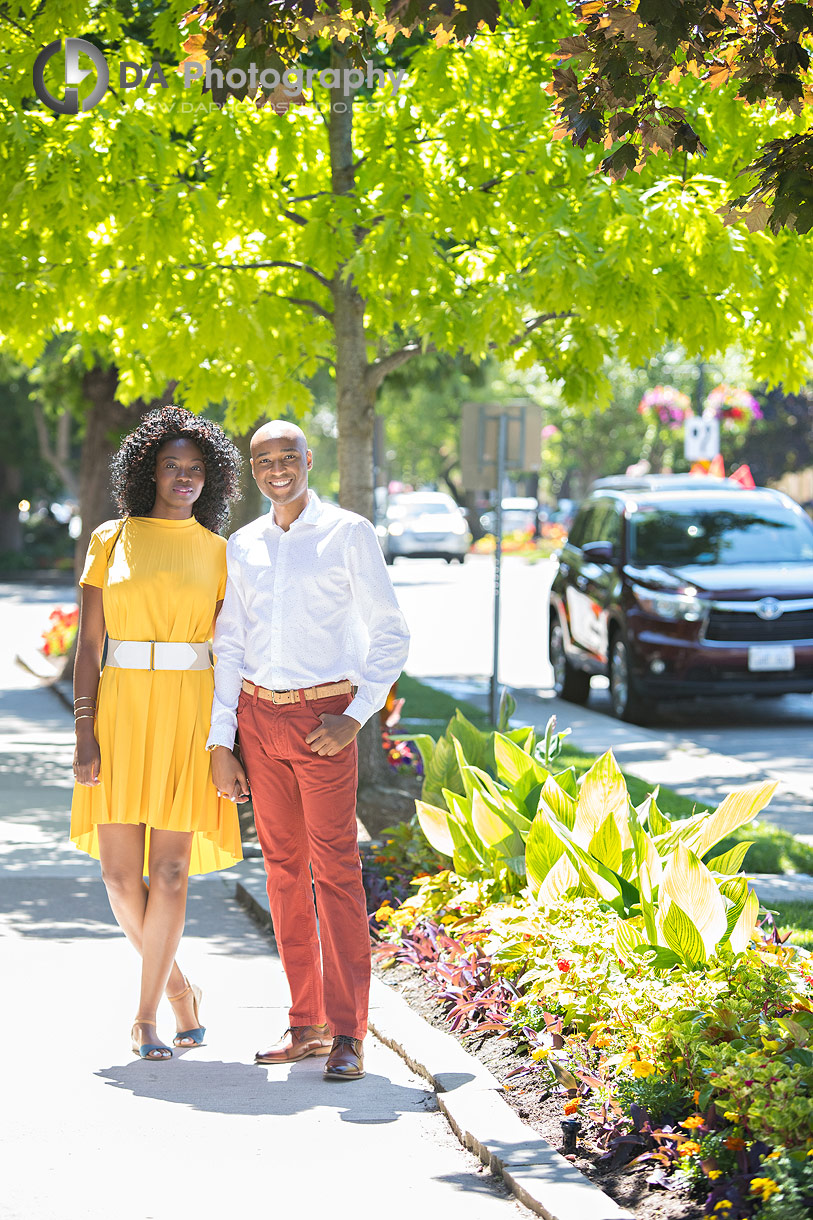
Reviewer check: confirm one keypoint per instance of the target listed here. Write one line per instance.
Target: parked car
(674, 587)
(424, 525)
(518, 513)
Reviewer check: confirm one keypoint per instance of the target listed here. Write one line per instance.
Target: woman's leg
(165, 913)
(121, 849)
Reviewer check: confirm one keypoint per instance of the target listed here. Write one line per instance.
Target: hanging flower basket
(736, 409)
(666, 406)
(61, 631)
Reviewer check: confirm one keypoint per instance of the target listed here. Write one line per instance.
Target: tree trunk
(105, 423)
(251, 503)
(11, 533)
(355, 401)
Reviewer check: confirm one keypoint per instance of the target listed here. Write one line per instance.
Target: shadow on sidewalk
(221, 1087)
(69, 908)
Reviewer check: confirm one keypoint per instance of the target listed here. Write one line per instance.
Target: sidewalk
(92, 1132)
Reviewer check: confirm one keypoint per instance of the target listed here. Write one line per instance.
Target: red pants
(305, 813)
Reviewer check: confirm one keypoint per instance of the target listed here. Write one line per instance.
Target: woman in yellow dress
(144, 803)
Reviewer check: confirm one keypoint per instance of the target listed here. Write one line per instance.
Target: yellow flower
(765, 1187)
(690, 1148)
(731, 1115)
(384, 911)
(540, 1053)
(714, 1174)
(772, 1156)
(570, 1107)
(693, 1121)
(723, 1206)
(642, 1067)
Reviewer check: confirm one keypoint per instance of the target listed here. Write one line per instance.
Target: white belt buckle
(172, 656)
(133, 654)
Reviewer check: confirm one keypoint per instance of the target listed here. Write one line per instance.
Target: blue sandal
(147, 1049)
(186, 1039)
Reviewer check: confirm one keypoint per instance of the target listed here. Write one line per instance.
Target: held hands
(333, 735)
(228, 776)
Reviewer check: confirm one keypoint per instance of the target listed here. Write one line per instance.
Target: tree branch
(56, 458)
(379, 369)
(260, 265)
(313, 306)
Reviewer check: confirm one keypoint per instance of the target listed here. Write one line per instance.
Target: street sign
(701, 440)
(496, 437)
(480, 436)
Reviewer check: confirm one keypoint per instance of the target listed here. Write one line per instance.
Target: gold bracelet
(85, 716)
(84, 699)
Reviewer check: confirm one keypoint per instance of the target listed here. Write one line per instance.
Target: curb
(469, 1096)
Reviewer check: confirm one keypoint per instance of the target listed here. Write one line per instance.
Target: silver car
(424, 525)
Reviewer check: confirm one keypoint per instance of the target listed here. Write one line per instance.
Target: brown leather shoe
(346, 1059)
(298, 1042)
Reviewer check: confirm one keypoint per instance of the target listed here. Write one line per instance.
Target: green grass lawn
(427, 710)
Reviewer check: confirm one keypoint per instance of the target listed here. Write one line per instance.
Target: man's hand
(228, 776)
(333, 735)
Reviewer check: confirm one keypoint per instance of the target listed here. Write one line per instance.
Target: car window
(605, 525)
(579, 533)
(674, 535)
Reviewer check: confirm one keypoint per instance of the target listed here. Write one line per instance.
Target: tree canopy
(234, 251)
(616, 87)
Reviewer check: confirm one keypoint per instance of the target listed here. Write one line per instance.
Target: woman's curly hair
(133, 468)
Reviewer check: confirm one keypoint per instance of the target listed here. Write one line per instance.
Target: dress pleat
(162, 582)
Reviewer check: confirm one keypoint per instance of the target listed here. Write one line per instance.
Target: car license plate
(771, 657)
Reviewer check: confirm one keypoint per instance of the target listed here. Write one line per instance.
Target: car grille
(742, 626)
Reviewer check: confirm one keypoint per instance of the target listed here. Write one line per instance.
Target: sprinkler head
(570, 1130)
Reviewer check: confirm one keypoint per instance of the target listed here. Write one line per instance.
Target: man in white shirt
(309, 641)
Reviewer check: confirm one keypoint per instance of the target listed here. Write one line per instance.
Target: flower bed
(628, 964)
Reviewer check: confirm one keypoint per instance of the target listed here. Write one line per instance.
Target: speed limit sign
(702, 439)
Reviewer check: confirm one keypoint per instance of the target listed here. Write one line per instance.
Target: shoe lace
(344, 1040)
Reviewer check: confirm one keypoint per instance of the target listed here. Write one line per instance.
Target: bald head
(279, 430)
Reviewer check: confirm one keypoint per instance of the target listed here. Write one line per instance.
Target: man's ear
(309, 459)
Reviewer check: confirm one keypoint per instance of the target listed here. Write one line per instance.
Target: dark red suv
(676, 586)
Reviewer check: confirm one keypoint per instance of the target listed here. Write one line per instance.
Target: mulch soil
(628, 1186)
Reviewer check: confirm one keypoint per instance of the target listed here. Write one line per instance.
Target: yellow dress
(162, 583)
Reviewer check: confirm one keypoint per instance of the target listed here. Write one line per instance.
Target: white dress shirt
(306, 606)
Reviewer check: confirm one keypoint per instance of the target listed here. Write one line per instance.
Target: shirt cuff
(221, 736)
(360, 709)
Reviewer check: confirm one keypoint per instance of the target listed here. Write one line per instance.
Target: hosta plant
(505, 813)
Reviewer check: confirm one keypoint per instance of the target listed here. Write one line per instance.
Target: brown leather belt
(293, 696)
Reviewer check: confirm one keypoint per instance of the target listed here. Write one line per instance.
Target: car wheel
(625, 697)
(388, 558)
(448, 558)
(569, 683)
(461, 558)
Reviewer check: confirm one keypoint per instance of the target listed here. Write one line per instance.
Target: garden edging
(468, 1095)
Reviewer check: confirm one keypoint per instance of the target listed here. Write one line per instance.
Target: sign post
(496, 438)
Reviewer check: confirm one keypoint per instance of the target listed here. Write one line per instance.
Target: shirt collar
(310, 514)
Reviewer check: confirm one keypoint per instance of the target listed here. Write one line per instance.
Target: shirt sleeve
(377, 606)
(98, 555)
(229, 649)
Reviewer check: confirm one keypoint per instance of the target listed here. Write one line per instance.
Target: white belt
(155, 654)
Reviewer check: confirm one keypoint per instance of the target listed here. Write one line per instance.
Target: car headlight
(396, 529)
(459, 527)
(670, 606)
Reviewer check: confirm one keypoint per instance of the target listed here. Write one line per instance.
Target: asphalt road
(450, 614)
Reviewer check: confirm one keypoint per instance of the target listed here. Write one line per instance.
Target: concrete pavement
(91, 1132)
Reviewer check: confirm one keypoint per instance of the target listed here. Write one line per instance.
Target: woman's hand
(87, 760)
(228, 775)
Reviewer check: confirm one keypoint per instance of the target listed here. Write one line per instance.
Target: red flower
(564, 965)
